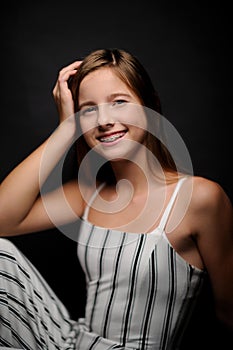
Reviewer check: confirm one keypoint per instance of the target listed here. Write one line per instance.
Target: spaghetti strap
(168, 209)
(94, 195)
(166, 213)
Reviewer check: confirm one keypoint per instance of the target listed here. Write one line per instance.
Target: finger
(70, 67)
(64, 74)
(62, 81)
(63, 77)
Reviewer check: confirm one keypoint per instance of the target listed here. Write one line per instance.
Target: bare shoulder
(210, 203)
(212, 223)
(208, 194)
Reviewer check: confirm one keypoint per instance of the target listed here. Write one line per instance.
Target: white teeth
(112, 138)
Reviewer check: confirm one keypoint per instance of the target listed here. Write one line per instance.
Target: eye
(118, 102)
(88, 111)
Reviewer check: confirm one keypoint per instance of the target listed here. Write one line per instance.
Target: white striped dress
(140, 294)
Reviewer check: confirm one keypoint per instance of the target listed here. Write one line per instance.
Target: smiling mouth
(112, 137)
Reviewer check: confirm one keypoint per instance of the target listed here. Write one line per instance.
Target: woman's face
(111, 115)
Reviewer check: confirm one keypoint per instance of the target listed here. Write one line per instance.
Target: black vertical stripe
(98, 283)
(86, 253)
(187, 308)
(150, 300)
(132, 286)
(168, 315)
(116, 267)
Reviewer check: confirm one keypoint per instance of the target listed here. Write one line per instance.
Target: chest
(111, 259)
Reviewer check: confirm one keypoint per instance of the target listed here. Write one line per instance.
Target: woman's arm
(21, 206)
(214, 220)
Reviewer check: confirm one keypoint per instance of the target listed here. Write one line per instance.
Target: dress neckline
(156, 232)
(159, 229)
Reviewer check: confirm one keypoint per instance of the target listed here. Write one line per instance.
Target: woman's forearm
(20, 189)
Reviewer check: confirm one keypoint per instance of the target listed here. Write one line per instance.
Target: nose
(104, 116)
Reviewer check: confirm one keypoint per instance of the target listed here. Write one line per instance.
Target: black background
(185, 47)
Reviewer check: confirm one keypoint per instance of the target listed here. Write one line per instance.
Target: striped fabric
(31, 316)
(140, 294)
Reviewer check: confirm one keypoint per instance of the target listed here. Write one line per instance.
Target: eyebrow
(111, 96)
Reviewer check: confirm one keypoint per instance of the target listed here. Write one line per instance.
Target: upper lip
(108, 134)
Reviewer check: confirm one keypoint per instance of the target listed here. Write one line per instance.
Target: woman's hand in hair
(61, 92)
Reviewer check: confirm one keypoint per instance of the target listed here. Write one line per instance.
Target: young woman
(150, 234)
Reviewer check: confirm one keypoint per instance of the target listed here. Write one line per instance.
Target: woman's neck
(139, 175)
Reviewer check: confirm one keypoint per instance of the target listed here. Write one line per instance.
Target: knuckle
(60, 79)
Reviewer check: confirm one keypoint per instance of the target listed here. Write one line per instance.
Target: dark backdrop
(186, 48)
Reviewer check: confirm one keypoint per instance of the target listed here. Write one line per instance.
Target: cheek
(140, 134)
(89, 138)
(87, 125)
(86, 131)
(134, 116)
